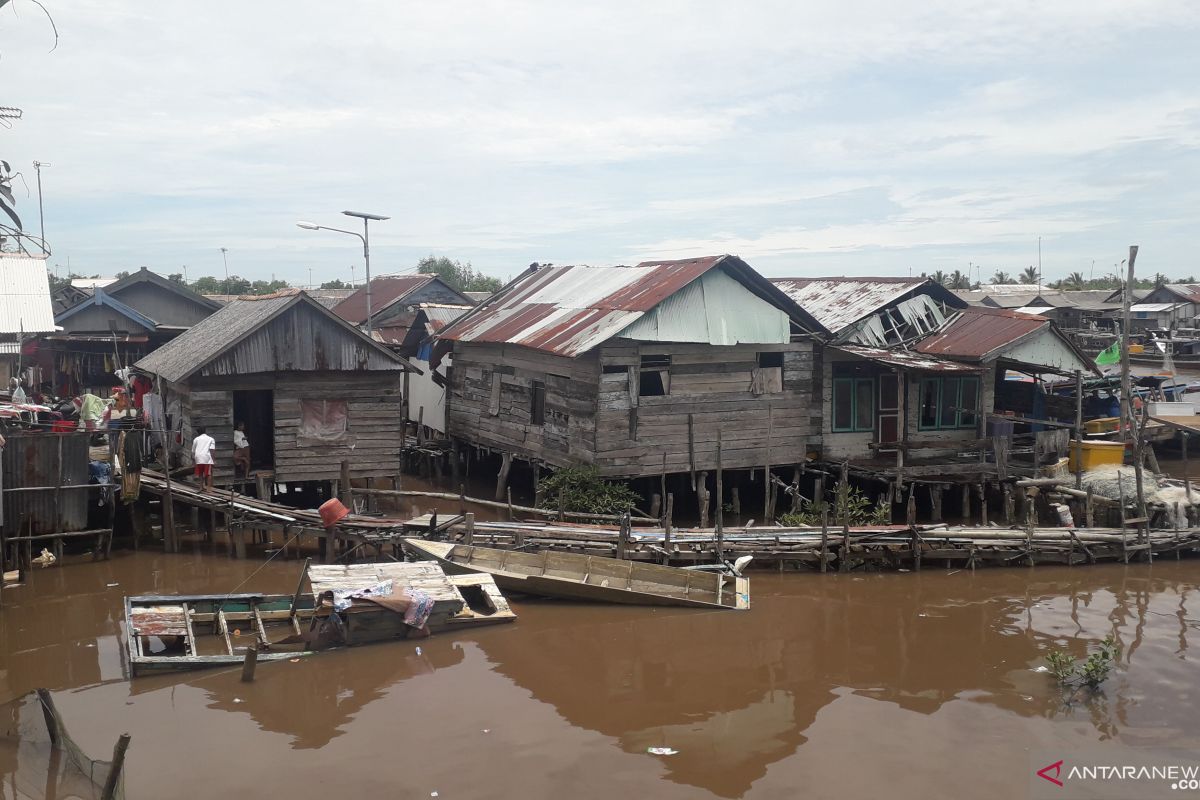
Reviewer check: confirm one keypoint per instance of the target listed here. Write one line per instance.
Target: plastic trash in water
(433, 794)
(112, 585)
(661, 751)
(419, 653)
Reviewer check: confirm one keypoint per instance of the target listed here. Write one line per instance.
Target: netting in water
(32, 767)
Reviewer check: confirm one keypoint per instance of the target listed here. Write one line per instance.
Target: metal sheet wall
(32, 460)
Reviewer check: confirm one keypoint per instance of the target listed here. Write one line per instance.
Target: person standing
(241, 450)
(202, 454)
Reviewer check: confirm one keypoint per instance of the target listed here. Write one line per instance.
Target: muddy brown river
(897, 685)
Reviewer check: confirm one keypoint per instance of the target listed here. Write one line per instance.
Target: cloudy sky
(815, 138)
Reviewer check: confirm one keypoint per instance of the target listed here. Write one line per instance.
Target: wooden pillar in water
(825, 539)
(720, 502)
(502, 476)
(736, 500)
(966, 502)
(1077, 448)
(668, 521)
(469, 528)
(623, 536)
(983, 509)
(116, 768)
(936, 493)
(766, 517)
(702, 496)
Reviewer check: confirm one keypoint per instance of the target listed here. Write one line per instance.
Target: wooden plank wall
(375, 423)
(713, 385)
(490, 396)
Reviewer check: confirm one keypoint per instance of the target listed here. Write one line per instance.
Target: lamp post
(225, 260)
(365, 236)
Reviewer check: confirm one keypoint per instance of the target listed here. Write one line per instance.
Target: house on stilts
(312, 389)
(637, 371)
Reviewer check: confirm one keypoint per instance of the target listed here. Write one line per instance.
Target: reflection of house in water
(313, 701)
(737, 693)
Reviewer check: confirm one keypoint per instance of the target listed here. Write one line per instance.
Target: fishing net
(1110, 480)
(32, 767)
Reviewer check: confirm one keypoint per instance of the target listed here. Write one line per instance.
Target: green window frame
(948, 404)
(853, 405)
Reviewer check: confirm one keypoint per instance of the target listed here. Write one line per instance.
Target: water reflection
(734, 693)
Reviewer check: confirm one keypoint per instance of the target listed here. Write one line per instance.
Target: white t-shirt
(202, 449)
(240, 440)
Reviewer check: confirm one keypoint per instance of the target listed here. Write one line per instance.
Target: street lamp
(365, 236)
(225, 259)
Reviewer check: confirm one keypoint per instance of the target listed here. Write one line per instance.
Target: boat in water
(347, 605)
(596, 578)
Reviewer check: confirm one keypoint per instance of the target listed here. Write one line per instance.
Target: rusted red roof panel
(384, 292)
(979, 331)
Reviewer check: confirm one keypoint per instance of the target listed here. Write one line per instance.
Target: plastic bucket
(332, 511)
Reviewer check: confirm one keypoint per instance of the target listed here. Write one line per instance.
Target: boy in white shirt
(202, 454)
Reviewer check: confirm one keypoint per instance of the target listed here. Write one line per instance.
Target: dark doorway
(256, 408)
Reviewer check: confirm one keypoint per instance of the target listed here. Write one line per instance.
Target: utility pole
(225, 258)
(37, 166)
(1126, 389)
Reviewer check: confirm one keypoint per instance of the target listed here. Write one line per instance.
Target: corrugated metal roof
(569, 310)
(103, 298)
(25, 295)
(838, 302)
(439, 315)
(206, 343)
(1155, 307)
(145, 275)
(904, 359)
(1035, 310)
(1188, 291)
(978, 332)
(385, 290)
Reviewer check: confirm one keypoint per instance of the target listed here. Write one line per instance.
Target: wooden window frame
(941, 382)
(537, 403)
(851, 386)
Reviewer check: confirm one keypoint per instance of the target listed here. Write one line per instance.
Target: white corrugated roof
(25, 295)
(1034, 309)
(838, 302)
(1154, 307)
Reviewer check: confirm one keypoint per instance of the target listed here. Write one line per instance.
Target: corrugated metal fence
(32, 502)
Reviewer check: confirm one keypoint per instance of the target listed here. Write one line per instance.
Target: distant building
(25, 310)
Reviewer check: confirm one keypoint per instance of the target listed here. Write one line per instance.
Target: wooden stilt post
(623, 536)
(966, 502)
(502, 476)
(53, 727)
(508, 496)
(720, 503)
(844, 559)
(702, 496)
(936, 493)
(469, 528)
(1077, 448)
(250, 664)
(1089, 509)
(116, 768)
(668, 520)
(766, 517)
(983, 509)
(736, 500)
(825, 539)
(1187, 476)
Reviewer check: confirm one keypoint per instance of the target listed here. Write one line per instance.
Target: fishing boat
(596, 578)
(184, 632)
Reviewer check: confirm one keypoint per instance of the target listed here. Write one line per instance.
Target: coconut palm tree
(1029, 275)
(938, 277)
(959, 280)
(1001, 277)
(1073, 281)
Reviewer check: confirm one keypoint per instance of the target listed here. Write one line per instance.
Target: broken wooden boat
(582, 577)
(183, 632)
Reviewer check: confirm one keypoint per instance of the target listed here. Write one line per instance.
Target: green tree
(462, 276)
(1073, 281)
(336, 283)
(1002, 277)
(1029, 275)
(959, 280)
(938, 277)
(177, 277)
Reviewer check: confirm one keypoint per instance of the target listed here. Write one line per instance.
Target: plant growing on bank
(1073, 675)
(856, 507)
(582, 489)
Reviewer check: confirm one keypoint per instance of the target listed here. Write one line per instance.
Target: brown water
(897, 685)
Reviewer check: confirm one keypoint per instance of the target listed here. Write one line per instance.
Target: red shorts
(203, 470)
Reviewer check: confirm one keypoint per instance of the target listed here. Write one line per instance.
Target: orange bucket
(332, 511)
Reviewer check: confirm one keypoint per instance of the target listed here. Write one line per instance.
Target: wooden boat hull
(590, 578)
(268, 619)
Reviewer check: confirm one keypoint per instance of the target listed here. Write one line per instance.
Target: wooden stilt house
(635, 369)
(312, 389)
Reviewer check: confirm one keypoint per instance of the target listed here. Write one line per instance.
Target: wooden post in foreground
(114, 771)
(250, 664)
(1077, 450)
(721, 503)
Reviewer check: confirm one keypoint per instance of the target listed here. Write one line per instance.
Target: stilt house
(312, 389)
(635, 369)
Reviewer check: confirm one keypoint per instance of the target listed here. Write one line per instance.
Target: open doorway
(256, 408)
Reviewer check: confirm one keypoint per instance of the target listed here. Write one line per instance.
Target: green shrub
(1071, 675)
(860, 509)
(582, 489)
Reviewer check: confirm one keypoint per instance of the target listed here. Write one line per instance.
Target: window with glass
(853, 404)
(949, 403)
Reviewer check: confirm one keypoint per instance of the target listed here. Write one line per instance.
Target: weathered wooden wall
(162, 305)
(490, 396)
(712, 386)
(853, 446)
(375, 421)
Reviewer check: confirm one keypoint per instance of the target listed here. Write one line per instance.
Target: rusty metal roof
(980, 331)
(569, 310)
(384, 291)
(904, 359)
(839, 302)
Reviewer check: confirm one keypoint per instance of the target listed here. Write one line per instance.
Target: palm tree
(1072, 281)
(1029, 275)
(1001, 277)
(958, 280)
(938, 277)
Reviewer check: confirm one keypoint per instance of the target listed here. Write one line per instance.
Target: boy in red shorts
(202, 454)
